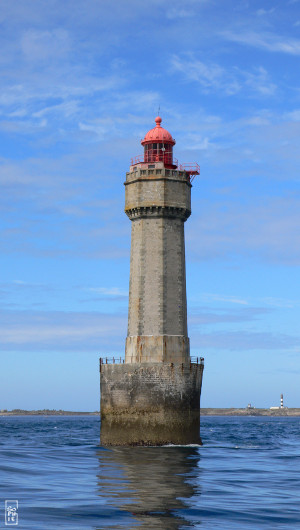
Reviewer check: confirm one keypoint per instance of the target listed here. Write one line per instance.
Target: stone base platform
(150, 403)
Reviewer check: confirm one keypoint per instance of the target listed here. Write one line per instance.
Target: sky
(81, 84)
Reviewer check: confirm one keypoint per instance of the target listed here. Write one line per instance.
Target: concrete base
(150, 404)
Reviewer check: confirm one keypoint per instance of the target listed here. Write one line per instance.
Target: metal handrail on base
(119, 360)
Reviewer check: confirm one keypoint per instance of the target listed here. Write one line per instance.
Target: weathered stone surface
(150, 403)
(158, 206)
(157, 348)
(172, 189)
(154, 398)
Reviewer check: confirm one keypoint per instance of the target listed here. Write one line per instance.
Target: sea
(55, 475)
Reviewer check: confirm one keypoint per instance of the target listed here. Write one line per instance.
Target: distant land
(285, 411)
(45, 412)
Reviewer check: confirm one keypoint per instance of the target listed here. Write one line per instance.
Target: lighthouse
(153, 397)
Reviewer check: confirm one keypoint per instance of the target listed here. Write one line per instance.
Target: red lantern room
(158, 153)
(158, 145)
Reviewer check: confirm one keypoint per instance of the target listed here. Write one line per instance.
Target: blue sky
(81, 83)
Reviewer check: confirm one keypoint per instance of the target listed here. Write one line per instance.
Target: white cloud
(293, 115)
(99, 130)
(61, 331)
(198, 318)
(266, 41)
(45, 46)
(66, 108)
(259, 81)
(226, 298)
(269, 301)
(280, 302)
(258, 120)
(212, 77)
(263, 12)
(178, 12)
(109, 291)
(245, 341)
(268, 230)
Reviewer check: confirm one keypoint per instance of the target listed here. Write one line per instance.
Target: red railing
(139, 159)
(191, 169)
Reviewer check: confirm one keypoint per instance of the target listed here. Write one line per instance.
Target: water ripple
(246, 475)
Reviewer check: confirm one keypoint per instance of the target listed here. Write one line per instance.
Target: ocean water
(246, 475)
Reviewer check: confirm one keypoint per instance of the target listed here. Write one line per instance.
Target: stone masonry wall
(157, 207)
(150, 403)
(157, 291)
(149, 387)
(157, 190)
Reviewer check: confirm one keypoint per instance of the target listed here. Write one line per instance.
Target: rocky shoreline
(285, 411)
(45, 412)
(204, 412)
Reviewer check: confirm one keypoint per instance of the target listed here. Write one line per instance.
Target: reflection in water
(148, 486)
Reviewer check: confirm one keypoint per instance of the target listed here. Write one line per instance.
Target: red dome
(158, 134)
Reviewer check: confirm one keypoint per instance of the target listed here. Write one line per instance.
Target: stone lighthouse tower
(154, 397)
